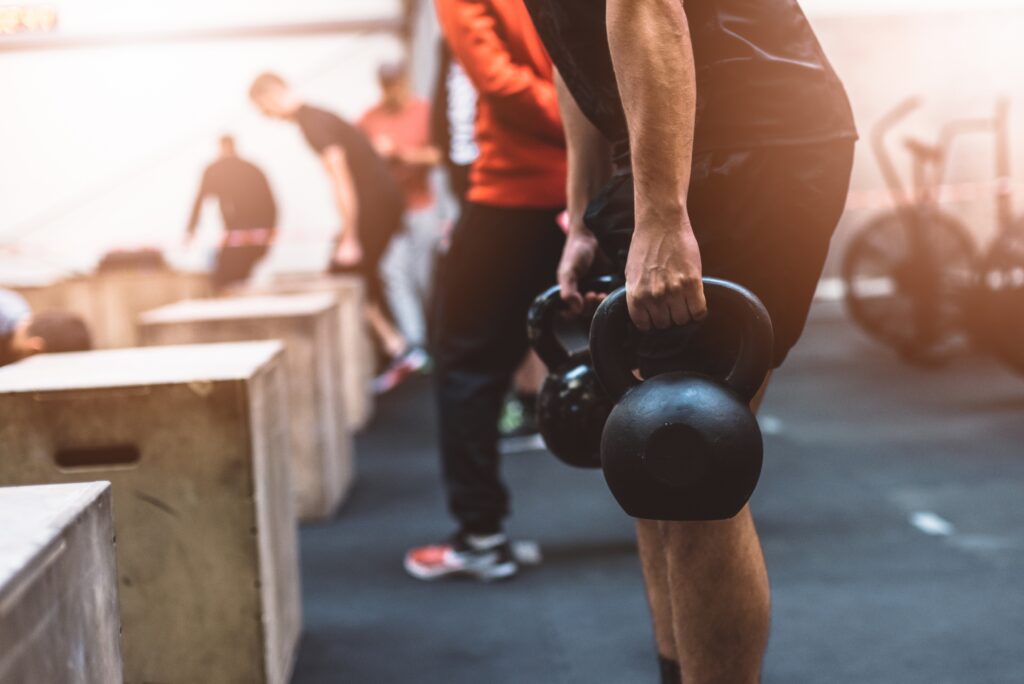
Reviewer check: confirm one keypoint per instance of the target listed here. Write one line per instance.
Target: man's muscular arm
(589, 157)
(654, 67)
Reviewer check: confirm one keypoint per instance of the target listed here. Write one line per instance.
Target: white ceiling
(117, 16)
(877, 7)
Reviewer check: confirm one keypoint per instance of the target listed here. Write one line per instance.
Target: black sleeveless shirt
(762, 78)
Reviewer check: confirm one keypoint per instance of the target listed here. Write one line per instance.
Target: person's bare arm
(197, 206)
(654, 67)
(589, 157)
(335, 163)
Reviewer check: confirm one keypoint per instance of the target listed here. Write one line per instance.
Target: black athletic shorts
(235, 263)
(763, 217)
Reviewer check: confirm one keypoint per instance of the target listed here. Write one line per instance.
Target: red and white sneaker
(413, 360)
(482, 558)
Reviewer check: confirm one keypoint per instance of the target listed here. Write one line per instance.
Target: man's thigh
(764, 219)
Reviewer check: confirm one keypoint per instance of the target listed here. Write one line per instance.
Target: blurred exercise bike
(914, 279)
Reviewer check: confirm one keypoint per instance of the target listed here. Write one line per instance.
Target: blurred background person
(24, 334)
(248, 209)
(504, 251)
(370, 206)
(399, 128)
(453, 121)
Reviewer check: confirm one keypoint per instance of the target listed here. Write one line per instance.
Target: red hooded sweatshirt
(518, 128)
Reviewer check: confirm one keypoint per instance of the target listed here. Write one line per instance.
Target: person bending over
(705, 138)
(24, 334)
(369, 202)
(503, 253)
(248, 209)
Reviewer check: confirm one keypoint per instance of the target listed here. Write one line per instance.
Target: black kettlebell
(683, 445)
(572, 405)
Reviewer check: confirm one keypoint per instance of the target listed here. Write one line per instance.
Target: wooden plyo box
(111, 302)
(357, 356)
(59, 620)
(321, 445)
(194, 442)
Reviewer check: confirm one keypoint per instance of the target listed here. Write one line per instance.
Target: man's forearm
(347, 211)
(589, 157)
(589, 162)
(193, 219)
(336, 165)
(654, 67)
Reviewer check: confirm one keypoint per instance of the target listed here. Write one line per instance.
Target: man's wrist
(664, 217)
(578, 229)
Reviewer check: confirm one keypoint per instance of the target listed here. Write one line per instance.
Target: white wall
(103, 148)
(121, 135)
(960, 62)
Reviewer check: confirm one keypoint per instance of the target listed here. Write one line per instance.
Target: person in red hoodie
(504, 251)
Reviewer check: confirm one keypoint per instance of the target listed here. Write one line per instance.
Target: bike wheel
(1001, 298)
(911, 295)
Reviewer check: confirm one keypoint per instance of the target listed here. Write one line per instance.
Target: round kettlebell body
(571, 412)
(681, 447)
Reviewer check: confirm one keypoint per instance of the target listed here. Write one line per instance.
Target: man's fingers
(697, 304)
(660, 314)
(679, 310)
(638, 313)
(664, 308)
(591, 301)
(567, 282)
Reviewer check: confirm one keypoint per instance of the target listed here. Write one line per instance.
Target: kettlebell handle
(540, 321)
(610, 333)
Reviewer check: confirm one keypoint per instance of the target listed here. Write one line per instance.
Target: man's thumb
(570, 291)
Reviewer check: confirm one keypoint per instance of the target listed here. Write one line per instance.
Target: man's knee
(692, 538)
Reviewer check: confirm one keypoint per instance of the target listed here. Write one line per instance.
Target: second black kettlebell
(683, 445)
(572, 406)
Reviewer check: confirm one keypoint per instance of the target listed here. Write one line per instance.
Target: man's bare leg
(390, 338)
(655, 566)
(720, 599)
(654, 563)
(707, 587)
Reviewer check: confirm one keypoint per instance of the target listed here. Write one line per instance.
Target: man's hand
(349, 253)
(385, 146)
(663, 277)
(577, 258)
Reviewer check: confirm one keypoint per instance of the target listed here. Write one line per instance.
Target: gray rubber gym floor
(890, 511)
